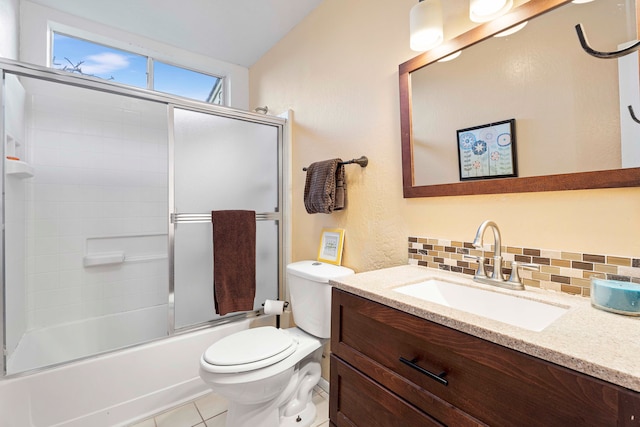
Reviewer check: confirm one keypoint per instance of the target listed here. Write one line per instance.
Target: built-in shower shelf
(18, 168)
(104, 258)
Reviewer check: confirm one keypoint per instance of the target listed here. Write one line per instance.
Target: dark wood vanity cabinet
(390, 368)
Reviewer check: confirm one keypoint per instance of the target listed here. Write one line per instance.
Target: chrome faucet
(497, 254)
(496, 277)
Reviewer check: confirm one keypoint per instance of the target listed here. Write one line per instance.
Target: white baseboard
(324, 385)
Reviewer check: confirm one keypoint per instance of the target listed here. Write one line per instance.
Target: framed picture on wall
(331, 242)
(488, 151)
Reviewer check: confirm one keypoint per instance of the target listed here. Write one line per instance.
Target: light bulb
(451, 57)
(512, 30)
(486, 10)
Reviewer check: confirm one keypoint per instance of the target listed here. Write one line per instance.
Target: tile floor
(211, 411)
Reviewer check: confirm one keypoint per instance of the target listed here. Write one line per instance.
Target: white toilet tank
(310, 293)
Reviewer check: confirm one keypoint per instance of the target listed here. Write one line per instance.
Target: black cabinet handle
(437, 377)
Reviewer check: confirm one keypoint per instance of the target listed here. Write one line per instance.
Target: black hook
(633, 115)
(604, 55)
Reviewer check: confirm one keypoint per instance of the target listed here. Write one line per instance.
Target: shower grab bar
(177, 218)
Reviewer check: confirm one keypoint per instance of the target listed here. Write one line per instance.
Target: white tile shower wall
(100, 172)
(15, 260)
(15, 220)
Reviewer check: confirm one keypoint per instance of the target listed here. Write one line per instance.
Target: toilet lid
(249, 349)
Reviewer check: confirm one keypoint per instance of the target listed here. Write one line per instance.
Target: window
(80, 56)
(91, 59)
(190, 84)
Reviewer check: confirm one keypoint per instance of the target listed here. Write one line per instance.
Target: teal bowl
(615, 296)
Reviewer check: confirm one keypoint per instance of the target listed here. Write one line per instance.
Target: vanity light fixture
(581, 1)
(426, 25)
(512, 30)
(486, 10)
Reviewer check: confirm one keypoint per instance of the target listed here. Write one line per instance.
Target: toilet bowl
(256, 395)
(268, 374)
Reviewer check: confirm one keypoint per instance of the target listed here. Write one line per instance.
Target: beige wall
(338, 72)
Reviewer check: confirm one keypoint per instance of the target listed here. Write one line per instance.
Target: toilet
(268, 374)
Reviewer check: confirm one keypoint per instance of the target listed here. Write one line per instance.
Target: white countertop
(595, 342)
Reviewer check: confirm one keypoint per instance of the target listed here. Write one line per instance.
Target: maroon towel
(234, 260)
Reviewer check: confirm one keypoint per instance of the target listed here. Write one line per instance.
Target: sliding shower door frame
(171, 102)
(3, 318)
(276, 215)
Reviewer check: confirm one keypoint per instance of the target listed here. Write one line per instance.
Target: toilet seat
(249, 349)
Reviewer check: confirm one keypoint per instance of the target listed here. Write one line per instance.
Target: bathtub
(113, 389)
(75, 340)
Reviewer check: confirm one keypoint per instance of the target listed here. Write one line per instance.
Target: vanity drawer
(485, 382)
(362, 402)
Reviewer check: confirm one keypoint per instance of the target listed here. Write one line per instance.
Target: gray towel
(324, 188)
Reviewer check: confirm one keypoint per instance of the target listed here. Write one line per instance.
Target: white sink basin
(513, 310)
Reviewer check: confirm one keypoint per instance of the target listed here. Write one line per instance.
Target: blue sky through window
(88, 58)
(99, 61)
(179, 81)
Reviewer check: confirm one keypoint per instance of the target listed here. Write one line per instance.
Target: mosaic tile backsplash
(568, 272)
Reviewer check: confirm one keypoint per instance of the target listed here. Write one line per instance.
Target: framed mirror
(569, 108)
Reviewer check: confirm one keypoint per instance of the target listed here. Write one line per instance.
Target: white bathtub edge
(116, 389)
(137, 410)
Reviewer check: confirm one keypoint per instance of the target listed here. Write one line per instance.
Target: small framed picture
(488, 151)
(331, 241)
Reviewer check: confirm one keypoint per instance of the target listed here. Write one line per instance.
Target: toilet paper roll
(273, 307)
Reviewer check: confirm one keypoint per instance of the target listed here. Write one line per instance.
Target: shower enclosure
(108, 193)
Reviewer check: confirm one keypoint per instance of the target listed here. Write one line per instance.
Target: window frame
(152, 61)
(150, 64)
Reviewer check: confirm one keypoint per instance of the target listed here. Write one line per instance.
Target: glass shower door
(86, 204)
(221, 163)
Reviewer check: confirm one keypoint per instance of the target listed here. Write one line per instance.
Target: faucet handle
(515, 275)
(480, 272)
